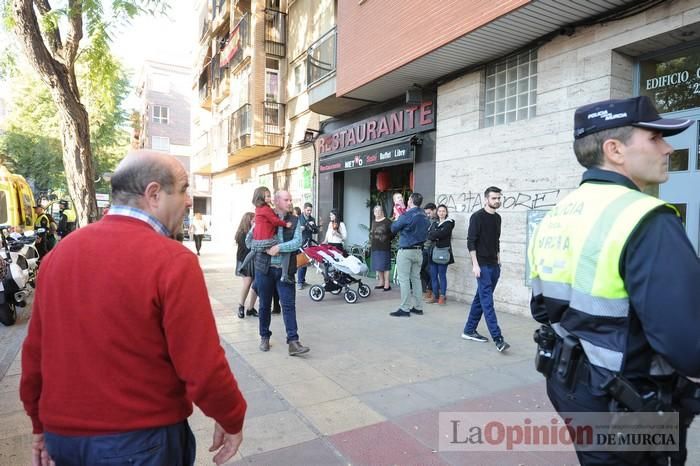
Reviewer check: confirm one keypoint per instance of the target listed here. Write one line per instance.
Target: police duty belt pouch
(441, 255)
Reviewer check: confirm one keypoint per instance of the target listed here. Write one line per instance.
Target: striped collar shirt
(139, 214)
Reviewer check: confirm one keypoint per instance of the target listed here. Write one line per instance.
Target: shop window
(672, 80)
(511, 89)
(678, 161)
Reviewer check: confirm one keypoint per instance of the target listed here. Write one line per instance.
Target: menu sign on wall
(368, 158)
(672, 80)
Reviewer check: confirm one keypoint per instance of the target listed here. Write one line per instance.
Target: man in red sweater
(122, 338)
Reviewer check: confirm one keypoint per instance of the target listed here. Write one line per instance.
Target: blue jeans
(301, 275)
(266, 284)
(162, 446)
(438, 278)
(483, 302)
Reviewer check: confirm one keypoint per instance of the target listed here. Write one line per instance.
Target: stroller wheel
(316, 293)
(336, 291)
(364, 290)
(350, 296)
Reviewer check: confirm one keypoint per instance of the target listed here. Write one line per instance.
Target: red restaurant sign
(405, 121)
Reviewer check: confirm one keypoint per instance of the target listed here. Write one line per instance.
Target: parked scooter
(18, 268)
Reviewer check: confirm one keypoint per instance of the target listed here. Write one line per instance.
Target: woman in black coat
(440, 233)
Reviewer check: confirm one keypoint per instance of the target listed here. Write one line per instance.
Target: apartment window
(272, 80)
(160, 114)
(511, 89)
(299, 78)
(160, 143)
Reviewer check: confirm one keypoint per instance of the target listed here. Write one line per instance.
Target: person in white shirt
(197, 229)
(336, 232)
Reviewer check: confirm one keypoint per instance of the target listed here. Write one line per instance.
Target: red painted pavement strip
(384, 444)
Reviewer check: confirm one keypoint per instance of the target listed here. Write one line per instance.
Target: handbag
(440, 255)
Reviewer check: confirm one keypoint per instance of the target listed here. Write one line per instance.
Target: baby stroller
(337, 273)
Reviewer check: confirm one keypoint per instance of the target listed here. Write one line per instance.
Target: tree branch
(54, 36)
(75, 31)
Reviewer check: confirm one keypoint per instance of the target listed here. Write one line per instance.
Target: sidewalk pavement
(368, 393)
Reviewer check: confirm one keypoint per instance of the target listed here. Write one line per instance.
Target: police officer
(65, 223)
(616, 278)
(42, 229)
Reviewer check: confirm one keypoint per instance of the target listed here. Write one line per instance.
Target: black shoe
(417, 311)
(379, 287)
(501, 345)
(277, 311)
(241, 312)
(265, 344)
(400, 313)
(475, 337)
(387, 289)
(252, 312)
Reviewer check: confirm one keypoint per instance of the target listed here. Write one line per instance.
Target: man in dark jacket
(430, 212)
(308, 230)
(412, 226)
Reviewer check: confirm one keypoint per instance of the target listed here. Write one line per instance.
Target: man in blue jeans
(484, 248)
(268, 271)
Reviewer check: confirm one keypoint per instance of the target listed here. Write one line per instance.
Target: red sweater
(122, 336)
(266, 223)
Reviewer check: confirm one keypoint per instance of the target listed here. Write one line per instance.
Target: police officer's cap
(636, 111)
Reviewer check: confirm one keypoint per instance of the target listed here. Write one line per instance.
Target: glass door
(683, 186)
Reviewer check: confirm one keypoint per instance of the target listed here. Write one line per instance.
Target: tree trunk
(75, 127)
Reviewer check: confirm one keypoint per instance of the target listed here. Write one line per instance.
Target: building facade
(253, 107)
(507, 81)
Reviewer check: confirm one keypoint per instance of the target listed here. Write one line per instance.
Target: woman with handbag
(440, 233)
(247, 273)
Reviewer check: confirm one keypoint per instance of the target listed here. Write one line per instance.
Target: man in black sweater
(483, 244)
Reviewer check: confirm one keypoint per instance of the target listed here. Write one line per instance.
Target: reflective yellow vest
(574, 258)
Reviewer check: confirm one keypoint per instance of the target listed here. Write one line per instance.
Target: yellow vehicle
(16, 201)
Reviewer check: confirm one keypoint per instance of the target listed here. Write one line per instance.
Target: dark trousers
(266, 283)
(301, 275)
(580, 399)
(438, 277)
(425, 278)
(198, 242)
(162, 446)
(483, 302)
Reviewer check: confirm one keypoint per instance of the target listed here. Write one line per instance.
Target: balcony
(202, 159)
(255, 131)
(220, 14)
(275, 32)
(220, 84)
(240, 134)
(204, 90)
(320, 78)
(238, 44)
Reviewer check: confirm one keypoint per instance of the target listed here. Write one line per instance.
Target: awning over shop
(399, 150)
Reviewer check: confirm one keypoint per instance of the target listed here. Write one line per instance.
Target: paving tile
(264, 402)
(312, 391)
(459, 458)
(361, 446)
(274, 431)
(9, 385)
(288, 372)
(337, 416)
(363, 379)
(448, 389)
(313, 453)
(13, 423)
(16, 450)
(397, 401)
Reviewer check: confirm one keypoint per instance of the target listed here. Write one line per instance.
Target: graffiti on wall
(472, 201)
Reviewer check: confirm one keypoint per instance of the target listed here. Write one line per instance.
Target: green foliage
(32, 141)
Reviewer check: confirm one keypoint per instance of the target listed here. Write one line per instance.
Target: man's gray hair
(135, 173)
(589, 149)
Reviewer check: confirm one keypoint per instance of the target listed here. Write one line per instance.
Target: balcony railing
(320, 59)
(273, 119)
(241, 129)
(275, 32)
(238, 40)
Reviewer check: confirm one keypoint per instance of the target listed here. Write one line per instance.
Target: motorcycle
(18, 269)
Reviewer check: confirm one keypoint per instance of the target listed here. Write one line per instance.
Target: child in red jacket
(265, 230)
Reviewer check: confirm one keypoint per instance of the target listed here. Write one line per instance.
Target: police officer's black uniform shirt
(662, 276)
